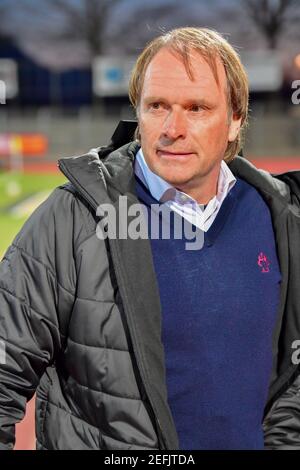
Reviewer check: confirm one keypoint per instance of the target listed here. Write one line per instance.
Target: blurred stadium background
(64, 67)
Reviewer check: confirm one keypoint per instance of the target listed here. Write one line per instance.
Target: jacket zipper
(160, 435)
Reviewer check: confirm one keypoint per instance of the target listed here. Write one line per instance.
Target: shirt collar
(163, 191)
(156, 185)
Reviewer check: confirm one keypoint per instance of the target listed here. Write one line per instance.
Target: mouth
(173, 154)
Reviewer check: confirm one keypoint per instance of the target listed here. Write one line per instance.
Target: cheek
(149, 131)
(214, 133)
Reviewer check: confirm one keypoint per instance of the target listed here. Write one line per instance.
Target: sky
(35, 23)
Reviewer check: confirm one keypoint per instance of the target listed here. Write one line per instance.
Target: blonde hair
(211, 45)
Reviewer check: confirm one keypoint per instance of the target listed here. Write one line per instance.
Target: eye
(195, 108)
(155, 105)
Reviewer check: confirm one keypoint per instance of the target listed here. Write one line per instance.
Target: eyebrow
(197, 101)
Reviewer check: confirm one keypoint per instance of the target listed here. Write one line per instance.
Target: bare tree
(85, 21)
(68, 20)
(271, 17)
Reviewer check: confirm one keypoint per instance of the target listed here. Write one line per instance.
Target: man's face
(184, 124)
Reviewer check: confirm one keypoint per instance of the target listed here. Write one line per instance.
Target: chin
(176, 180)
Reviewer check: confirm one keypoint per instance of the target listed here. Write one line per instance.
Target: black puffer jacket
(80, 316)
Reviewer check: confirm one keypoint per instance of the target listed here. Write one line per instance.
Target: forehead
(167, 73)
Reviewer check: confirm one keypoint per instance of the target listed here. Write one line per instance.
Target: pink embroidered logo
(263, 262)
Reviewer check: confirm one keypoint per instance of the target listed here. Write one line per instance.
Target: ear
(234, 128)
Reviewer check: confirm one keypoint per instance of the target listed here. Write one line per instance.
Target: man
(136, 343)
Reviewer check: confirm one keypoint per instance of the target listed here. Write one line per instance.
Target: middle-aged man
(139, 343)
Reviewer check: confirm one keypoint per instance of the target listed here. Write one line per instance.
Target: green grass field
(15, 187)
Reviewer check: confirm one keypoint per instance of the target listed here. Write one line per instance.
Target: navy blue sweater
(219, 307)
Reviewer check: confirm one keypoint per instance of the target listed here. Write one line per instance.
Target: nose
(175, 125)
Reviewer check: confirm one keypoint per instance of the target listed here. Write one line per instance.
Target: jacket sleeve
(282, 423)
(37, 284)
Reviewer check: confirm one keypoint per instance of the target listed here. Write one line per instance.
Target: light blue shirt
(180, 202)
